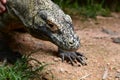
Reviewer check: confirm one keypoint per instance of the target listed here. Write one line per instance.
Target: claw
(81, 61)
(81, 55)
(63, 58)
(71, 61)
(81, 58)
(72, 57)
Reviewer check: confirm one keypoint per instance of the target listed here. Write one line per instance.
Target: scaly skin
(45, 20)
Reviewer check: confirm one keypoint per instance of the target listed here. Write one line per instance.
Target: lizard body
(44, 20)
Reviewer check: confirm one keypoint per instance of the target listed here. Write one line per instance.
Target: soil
(96, 44)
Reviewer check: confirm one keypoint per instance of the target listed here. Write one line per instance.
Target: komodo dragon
(45, 20)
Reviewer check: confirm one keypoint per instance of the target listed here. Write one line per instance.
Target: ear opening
(43, 15)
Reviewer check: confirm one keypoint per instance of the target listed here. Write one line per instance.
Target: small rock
(99, 37)
(117, 75)
(110, 32)
(62, 70)
(118, 70)
(100, 17)
(108, 64)
(116, 40)
(115, 15)
(56, 59)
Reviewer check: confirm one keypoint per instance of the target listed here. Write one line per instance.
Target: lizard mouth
(64, 42)
(66, 45)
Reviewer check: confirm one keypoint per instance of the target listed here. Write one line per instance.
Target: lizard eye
(52, 27)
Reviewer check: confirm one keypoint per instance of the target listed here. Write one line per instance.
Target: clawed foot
(73, 57)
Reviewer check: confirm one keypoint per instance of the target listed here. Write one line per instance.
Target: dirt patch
(102, 53)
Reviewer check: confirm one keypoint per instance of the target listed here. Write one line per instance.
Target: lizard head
(56, 26)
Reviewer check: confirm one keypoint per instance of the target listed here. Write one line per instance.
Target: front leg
(6, 53)
(72, 57)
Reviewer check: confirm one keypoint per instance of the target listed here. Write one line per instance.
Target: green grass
(93, 9)
(22, 70)
(90, 9)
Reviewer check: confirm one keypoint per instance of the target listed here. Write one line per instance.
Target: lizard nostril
(71, 42)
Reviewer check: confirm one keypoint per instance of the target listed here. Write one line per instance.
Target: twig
(105, 75)
(83, 77)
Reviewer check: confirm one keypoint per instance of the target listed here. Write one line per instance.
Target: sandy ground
(96, 44)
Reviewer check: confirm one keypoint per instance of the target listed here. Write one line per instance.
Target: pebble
(62, 70)
(110, 32)
(100, 17)
(116, 40)
(117, 75)
(108, 64)
(56, 59)
(118, 70)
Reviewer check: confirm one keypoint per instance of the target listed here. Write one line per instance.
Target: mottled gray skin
(44, 20)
